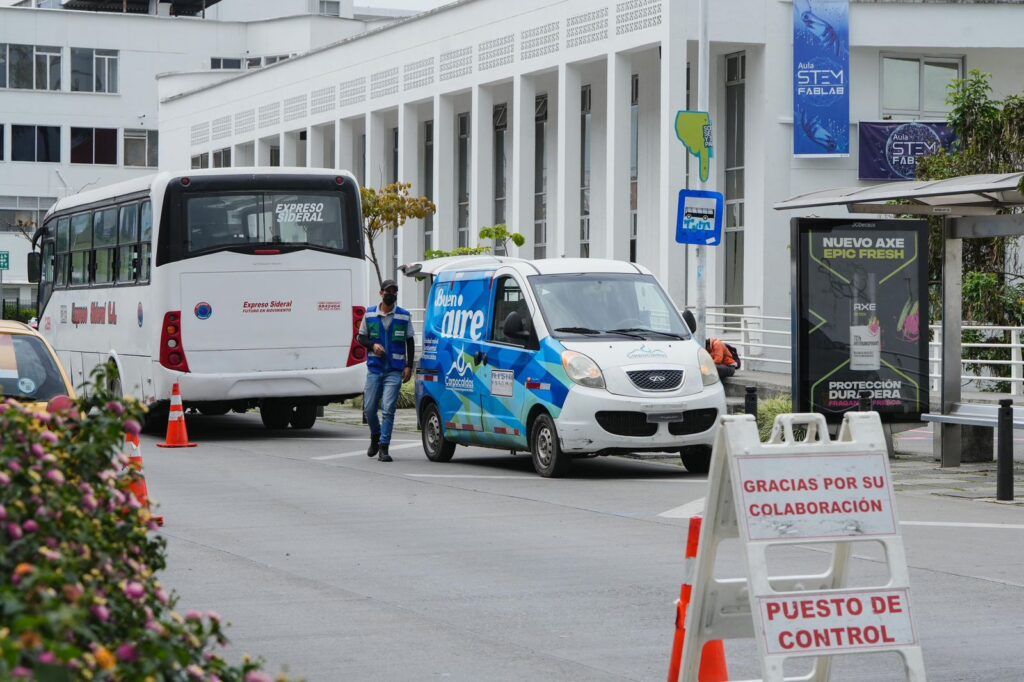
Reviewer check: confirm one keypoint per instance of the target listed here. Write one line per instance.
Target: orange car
(29, 369)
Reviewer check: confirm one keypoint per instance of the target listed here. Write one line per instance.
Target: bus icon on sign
(699, 219)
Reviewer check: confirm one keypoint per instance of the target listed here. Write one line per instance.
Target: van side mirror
(515, 327)
(35, 261)
(690, 321)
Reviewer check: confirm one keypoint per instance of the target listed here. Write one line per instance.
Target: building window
(586, 130)
(104, 230)
(94, 146)
(201, 161)
(464, 183)
(274, 59)
(634, 164)
(735, 122)
(500, 119)
(128, 247)
(93, 70)
(23, 214)
(140, 148)
(35, 143)
(81, 248)
(330, 8)
(916, 87)
(225, 63)
(428, 184)
(540, 178)
(222, 158)
(47, 68)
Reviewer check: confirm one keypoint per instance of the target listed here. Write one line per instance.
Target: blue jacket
(394, 339)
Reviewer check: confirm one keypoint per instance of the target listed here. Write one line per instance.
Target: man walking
(387, 334)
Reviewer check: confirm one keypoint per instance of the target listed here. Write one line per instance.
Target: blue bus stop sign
(699, 220)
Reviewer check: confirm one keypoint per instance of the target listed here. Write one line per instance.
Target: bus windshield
(225, 220)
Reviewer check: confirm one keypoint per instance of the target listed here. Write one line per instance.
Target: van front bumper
(581, 431)
(310, 383)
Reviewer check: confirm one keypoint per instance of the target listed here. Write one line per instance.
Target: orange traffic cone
(177, 434)
(712, 658)
(137, 486)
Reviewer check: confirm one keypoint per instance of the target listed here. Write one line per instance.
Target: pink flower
(127, 653)
(134, 591)
(21, 673)
(132, 427)
(5, 480)
(115, 407)
(55, 476)
(195, 672)
(161, 595)
(15, 467)
(30, 526)
(194, 615)
(3, 512)
(38, 450)
(90, 503)
(49, 437)
(14, 531)
(101, 612)
(257, 676)
(47, 658)
(213, 616)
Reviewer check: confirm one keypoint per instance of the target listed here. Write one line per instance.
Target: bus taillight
(172, 350)
(356, 353)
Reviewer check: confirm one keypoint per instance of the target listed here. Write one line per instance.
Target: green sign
(5, 260)
(693, 128)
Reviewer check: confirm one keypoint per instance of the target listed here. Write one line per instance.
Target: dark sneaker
(384, 456)
(374, 446)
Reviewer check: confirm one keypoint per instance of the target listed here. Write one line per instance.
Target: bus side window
(127, 239)
(145, 240)
(104, 244)
(81, 248)
(46, 275)
(60, 279)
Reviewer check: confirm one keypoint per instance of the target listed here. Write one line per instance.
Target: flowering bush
(79, 598)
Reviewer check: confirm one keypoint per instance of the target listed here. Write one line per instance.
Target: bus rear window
(218, 221)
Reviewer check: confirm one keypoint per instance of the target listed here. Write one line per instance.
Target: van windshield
(599, 304)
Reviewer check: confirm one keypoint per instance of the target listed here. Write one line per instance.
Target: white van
(563, 358)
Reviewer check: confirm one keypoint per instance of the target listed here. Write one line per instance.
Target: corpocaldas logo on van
(460, 375)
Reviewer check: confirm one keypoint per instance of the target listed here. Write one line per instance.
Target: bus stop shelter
(969, 207)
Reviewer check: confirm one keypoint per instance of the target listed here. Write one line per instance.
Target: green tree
(388, 209)
(501, 235)
(461, 251)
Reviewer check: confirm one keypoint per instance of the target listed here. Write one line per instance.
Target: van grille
(656, 379)
(694, 421)
(626, 424)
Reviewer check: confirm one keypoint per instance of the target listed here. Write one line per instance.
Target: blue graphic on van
(203, 310)
(484, 390)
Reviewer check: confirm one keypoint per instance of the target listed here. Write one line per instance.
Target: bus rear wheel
(275, 414)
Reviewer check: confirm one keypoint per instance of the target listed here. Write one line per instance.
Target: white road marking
(685, 511)
(534, 478)
(362, 438)
(355, 453)
(959, 524)
(563, 480)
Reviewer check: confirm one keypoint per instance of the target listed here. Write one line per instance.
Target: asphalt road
(336, 567)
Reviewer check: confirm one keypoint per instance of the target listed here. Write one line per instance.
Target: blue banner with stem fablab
(821, 77)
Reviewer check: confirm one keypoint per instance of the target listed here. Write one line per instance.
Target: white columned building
(557, 118)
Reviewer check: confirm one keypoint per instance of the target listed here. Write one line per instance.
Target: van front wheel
(436, 447)
(548, 458)
(696, 458)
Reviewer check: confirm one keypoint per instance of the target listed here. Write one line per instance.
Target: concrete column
(409, 248)
(672, 172)
(290, 149)
(563, 234)
(618, 149)
(345, 144)
(524, 148)
(444, 172)
(376, 177)
(314, 147)
(481, 166)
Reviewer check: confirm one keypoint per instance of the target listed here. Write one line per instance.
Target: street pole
(703, 100)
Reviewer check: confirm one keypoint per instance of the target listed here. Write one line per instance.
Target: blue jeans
(378, 386)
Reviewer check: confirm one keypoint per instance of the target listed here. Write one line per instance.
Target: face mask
(389, 299)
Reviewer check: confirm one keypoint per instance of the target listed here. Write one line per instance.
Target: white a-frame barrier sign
(786, 492)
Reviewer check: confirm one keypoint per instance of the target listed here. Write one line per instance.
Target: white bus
(243, 285)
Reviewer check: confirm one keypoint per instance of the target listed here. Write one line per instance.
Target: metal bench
(1004, 418)
(973, 414)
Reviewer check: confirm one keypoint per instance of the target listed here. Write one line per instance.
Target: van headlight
(708, 371)
(582, 369)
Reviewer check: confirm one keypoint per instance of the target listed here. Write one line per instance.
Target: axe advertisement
(860, 316)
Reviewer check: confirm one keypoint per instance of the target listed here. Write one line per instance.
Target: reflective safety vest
(393, 339)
